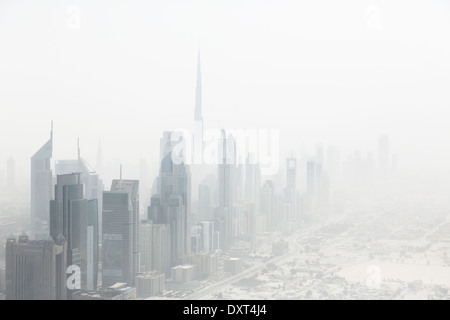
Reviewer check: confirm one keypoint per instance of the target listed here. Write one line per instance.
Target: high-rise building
(204, 203)
(36, 269)
(196, 239)
(93, 185)
(160, 249)
(93, 236)
(267, 204)
(172, 204)
(171, 212)
(145, 245)
(207, 236)
(93, 188)
(70, 213)
(252, 181)
(144, 187)
(120, 233)
(41, 189)
(10, 174)
(291, 189)
(198, 117)
(227, 152)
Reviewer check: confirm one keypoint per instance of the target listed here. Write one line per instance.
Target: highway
(294, 240)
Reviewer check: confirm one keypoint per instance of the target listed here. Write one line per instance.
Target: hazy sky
(340, 72)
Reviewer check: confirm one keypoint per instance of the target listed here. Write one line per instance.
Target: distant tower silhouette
(198, 92)
(41, 189)
(198, 118)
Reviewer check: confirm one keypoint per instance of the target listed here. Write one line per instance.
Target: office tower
(41, 189)
(35, 269)
(2, 281)
(291, 189)
(132, 188)
(219, 233)
(170, 211)
(144, 186)
(145, 245)
(10, 174)
(93, 255)
(165, 145)
(69, 214)
(198, 118)
(204, 202)
(161, 249)
(120, 232)
(267, 204)
(310, 177)
(93, 185)
(238, 182)
(196, 239)
(237, 220)
(172, 204)
(252, 181)
(93, 188)
(227, 152)
(383, 156)
(207, 236)
(291, 172)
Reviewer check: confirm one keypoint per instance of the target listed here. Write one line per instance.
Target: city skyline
(240, 149)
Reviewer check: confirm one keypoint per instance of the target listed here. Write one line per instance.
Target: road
(294, 240)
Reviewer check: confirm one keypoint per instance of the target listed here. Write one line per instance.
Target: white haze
(315, 70)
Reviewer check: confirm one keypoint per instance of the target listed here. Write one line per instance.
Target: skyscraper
(145, 245)
(198, 168)
(226, 159)
(93, 188)
(208, 236)
(204, 202)
(93, 256)
(41, 189)
(171, 205)
(120, 232)
(252, 181)
(198, 117)
(69, 217)
(36, 269)
(198, 92)
(267, 204)
(93, 185)
(291, 191)
(160, 248)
